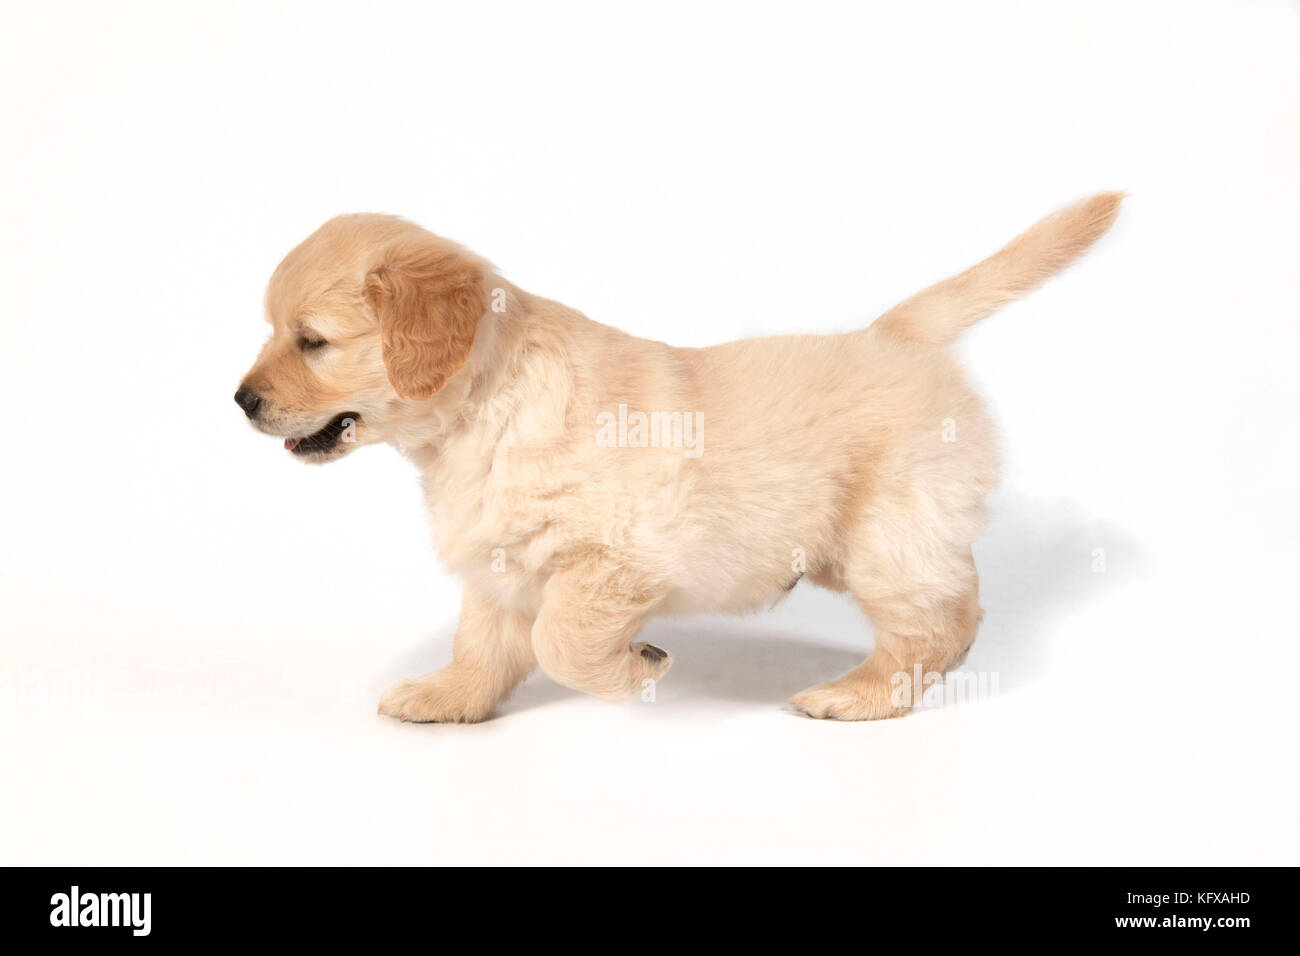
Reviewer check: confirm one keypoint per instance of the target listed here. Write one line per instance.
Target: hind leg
(924, 604)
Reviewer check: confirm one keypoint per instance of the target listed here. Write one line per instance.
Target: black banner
(137, 906)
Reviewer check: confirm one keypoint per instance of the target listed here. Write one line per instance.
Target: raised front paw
(442, 697)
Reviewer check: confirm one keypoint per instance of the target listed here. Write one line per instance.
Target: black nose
(248, 400)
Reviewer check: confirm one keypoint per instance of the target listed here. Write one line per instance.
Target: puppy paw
(856, 701)
(435, 698)
(654, 661)
(654, 655)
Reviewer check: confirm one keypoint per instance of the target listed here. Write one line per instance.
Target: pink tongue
(291, 443)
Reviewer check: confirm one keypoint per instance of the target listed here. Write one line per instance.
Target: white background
(694, 174)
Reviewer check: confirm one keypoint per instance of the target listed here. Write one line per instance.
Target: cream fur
(824, 454)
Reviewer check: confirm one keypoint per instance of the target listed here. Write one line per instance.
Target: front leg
(491, 655)
(583, 634)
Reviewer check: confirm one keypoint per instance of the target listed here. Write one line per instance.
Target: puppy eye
(308, 344)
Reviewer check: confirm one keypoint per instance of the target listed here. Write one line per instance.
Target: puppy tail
(938, 314)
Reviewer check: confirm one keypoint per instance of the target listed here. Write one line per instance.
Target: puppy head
(371, 317)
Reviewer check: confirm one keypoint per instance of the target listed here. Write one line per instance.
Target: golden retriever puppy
(582, 480)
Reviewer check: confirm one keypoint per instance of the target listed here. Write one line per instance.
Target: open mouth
(326, 438)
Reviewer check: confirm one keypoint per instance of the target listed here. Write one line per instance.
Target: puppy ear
(428, 297)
